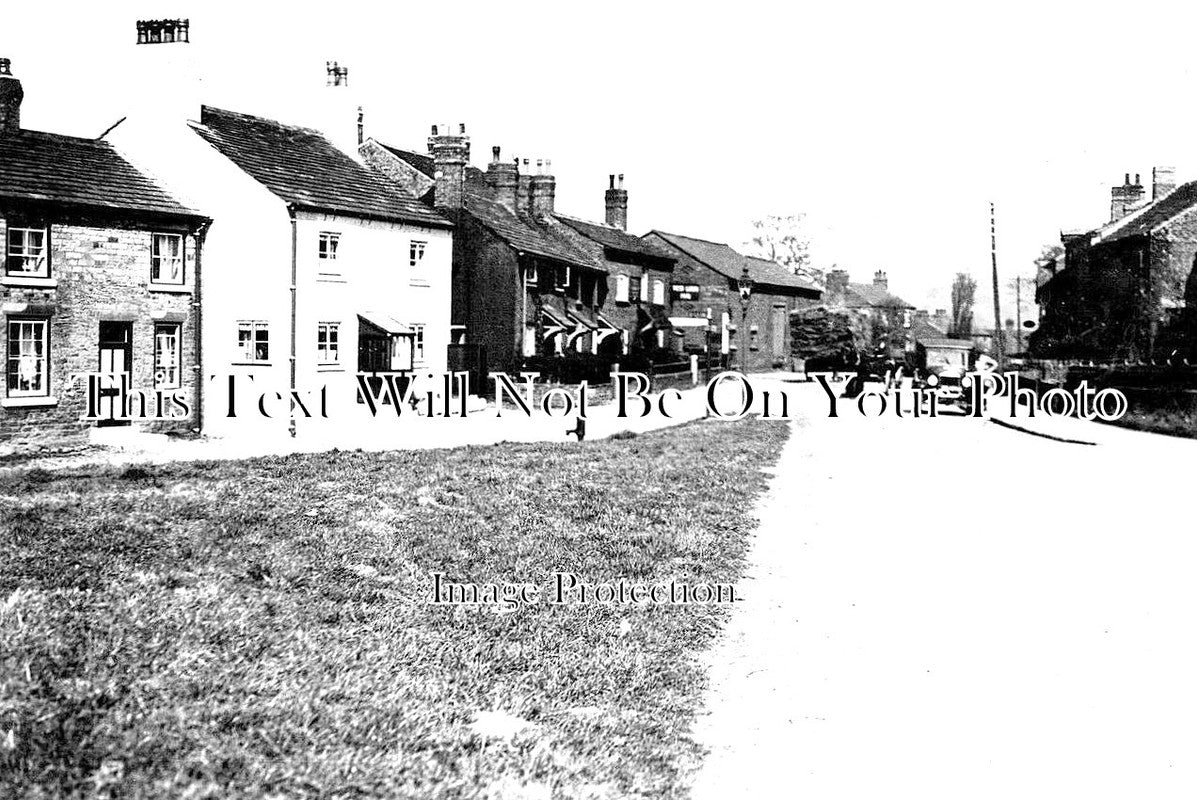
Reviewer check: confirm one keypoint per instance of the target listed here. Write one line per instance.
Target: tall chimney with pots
(523, 189)
(168, 89)
(11, 95)
(617, 205)
(450, 154)
(1124, 198)
(835, 287)
(881, 280)
(1163, 181)
(543, 196)
(502, 177)
(338, 114)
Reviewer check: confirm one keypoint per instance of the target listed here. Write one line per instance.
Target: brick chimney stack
(1163, 181)
(617, 205)
(11, 95)
(523, 189)
(1124, 198)
(543, 196)
(503, 179)
(450, 154)
(881, 280)
(835, 287)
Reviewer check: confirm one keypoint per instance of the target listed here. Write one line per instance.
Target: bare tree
(783, 240)
(964, 293)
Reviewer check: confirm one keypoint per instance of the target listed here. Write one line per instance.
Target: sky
(890, 126)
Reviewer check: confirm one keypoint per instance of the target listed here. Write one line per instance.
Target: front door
(116, 359)
(777, 326)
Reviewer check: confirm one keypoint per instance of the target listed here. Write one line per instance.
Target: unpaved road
(950, 609)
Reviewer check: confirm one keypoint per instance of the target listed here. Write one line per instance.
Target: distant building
(889, 316)
(100, 271)
(705, 288)
(532, 286)
(1126, 289)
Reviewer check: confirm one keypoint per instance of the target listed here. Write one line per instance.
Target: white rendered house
(371, 269)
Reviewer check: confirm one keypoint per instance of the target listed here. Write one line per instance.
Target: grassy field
(261, 628)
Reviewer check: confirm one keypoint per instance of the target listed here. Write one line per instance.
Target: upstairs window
(531, 274)
(621, 288)
(563, 278)
(659, 293)
(253, 341)
(168, 354)
(328, 246)
(328, 342)
(416, 253)
(166, 258)
(644, 288)
(28, 363)
(28, 254)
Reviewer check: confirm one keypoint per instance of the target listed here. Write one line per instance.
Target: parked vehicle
(941, 364)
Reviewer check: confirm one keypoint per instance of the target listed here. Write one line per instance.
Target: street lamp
(744, 283)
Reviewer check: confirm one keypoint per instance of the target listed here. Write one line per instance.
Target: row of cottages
(259, 251)
(890, 320)
(535, 288)
(100, 274)
(1126, 289)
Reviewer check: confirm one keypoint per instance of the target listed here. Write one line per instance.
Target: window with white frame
(28, 367)
(416, 252)
(168, 355)
(328, 342)
(329, 242)
(644, 287)
(659, 293)
(531, 274)
(253, 341)
(166, 258)
(563, 275)
(28, 255)
(417, 355)
(621, 288)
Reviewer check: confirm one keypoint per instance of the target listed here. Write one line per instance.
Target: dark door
(116, 359)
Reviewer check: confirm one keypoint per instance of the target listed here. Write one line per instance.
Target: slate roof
(301, 167)
(615, 238)
(1178, 201)
(525, 234)
(519, 230)
(88, 173)
(726, 261)
(425, 164)
(867, 294)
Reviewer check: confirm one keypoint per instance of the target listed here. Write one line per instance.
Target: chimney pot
(434, 130)
(494, 154)
(616, 200)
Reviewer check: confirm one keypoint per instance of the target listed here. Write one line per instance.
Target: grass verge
(261, 628)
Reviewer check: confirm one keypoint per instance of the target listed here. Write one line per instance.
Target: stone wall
(99, 271)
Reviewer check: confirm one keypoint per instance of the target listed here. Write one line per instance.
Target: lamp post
(744, 283)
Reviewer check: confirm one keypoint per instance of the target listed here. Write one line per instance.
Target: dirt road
(948, 608)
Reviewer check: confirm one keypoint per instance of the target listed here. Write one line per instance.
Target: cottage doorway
(116, 360)
(777, 326)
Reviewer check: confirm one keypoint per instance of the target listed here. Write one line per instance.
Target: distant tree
(964, 293)
(782, 239)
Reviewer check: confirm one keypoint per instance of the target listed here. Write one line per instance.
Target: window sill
(168, 288)
(251, 364)
(329, 368)
(39, 283)
(28, 402)
(419, 283)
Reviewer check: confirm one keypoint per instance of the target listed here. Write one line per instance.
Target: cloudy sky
(890, 125)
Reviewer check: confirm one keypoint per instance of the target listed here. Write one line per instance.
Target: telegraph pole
(999, 342)
(1018, 313)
